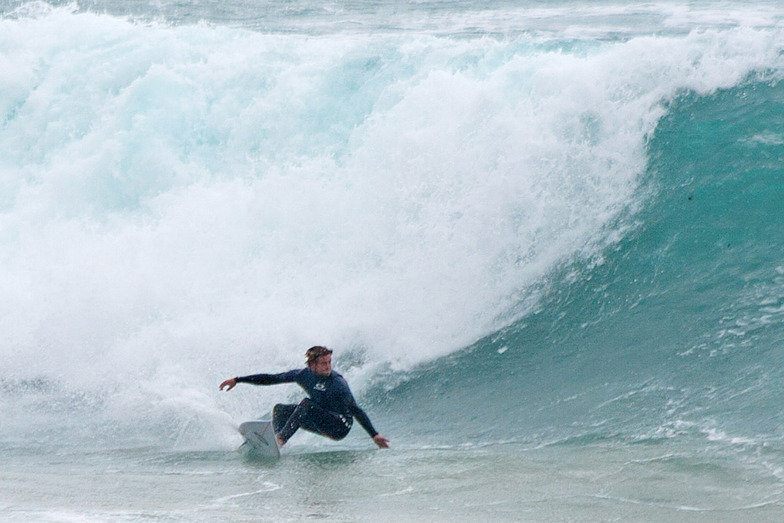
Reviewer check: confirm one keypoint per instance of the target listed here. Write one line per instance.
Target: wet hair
(314, 353)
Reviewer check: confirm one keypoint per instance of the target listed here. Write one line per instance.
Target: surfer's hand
(230, 383)
(381, 441)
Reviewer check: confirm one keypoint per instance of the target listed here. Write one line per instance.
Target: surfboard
(260, 438)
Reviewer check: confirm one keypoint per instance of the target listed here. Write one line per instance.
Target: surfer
(330, 408)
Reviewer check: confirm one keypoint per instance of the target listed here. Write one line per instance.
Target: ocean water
(545, 239)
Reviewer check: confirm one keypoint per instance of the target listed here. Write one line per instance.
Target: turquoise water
(545, 241)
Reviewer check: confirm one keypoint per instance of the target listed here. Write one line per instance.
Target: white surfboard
(260, 438)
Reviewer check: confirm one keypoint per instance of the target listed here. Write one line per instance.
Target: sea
(544, 238)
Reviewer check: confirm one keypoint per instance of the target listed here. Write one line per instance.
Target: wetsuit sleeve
(270, 379)
(356, 410)
(363, 419)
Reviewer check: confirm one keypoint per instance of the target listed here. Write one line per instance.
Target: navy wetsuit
(330, 410)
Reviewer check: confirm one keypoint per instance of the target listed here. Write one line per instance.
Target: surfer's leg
(327, 423)
(293, 422)
(281, 414)
(313, 418)
(332, 425)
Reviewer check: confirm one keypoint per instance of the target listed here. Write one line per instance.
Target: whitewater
(544, 239)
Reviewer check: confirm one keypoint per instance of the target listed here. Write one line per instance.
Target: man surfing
(330, 408)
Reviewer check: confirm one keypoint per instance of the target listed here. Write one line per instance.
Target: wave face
(558, 232)
(677, 330)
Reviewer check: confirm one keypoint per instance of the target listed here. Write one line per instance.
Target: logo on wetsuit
(320, 386)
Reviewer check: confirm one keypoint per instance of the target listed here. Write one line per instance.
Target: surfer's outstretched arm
(262, 379)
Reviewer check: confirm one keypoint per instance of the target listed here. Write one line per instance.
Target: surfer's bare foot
(280, 441)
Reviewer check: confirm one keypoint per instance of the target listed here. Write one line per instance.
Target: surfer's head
(319, 360)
